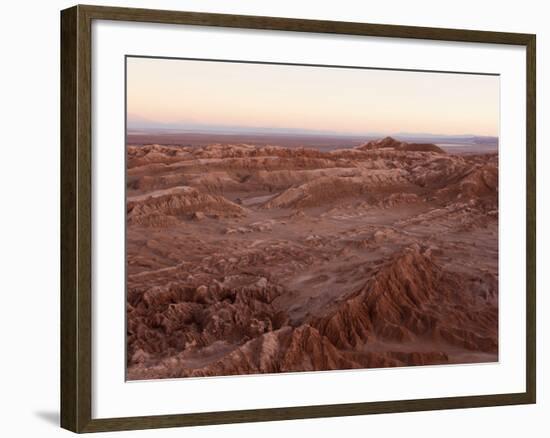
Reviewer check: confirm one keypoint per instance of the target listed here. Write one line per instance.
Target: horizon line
(265, 130)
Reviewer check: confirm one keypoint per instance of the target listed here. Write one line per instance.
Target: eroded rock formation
(245, 259)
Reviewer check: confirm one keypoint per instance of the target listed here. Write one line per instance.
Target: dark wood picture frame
(76, 174)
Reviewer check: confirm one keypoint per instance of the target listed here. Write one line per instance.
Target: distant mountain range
(141, 126)
(451, 139)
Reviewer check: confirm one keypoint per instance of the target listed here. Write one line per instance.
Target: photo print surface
(290, 218)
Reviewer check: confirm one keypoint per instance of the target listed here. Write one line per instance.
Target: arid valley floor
(247, 259)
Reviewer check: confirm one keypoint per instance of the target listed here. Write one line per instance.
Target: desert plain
(247, 258)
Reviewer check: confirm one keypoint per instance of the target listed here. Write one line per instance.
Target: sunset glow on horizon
(188, 93)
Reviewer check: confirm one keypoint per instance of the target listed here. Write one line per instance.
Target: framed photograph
(270, 218)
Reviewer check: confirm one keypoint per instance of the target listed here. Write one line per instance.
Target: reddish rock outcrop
(391, 143)
(410, 297)
(148, 209)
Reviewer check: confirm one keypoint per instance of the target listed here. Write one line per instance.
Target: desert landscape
(250, 258)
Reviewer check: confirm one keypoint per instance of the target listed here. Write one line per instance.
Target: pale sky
(351, 101)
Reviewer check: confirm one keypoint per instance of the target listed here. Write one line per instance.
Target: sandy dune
(246, 259)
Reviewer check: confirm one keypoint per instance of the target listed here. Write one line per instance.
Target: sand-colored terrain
(261, 259)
